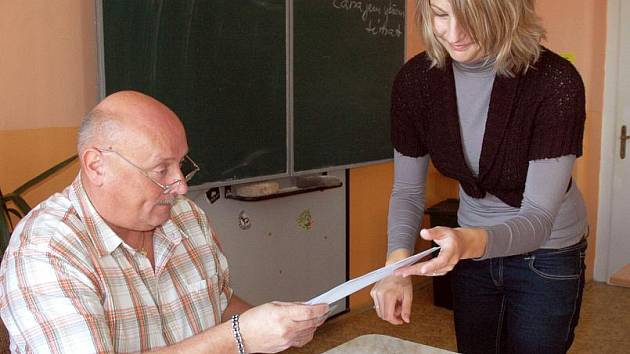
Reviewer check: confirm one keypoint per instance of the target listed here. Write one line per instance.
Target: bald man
(122, 262)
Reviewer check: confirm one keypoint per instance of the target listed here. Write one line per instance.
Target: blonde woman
(503, 115)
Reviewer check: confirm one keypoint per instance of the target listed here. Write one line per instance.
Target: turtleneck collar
(483, 67)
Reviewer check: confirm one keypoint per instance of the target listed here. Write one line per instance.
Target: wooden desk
(382, 344)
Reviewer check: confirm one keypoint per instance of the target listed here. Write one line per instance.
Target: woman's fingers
(405, 309)
(388, 295)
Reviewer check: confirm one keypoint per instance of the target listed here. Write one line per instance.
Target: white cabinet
(293, 249)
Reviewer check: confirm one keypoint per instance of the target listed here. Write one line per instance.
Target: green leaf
(17, 214)
(5, 235)
(42, 176)
(5, 232)
(19, 202)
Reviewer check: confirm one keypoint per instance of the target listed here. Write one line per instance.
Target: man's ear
(93, 166)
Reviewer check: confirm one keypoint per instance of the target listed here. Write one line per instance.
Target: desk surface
(381, 344)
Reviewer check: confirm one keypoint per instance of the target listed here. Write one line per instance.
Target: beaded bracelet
(236, 331)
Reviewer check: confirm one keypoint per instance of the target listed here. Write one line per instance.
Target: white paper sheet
(356, 284)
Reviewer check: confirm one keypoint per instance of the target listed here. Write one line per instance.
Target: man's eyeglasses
(188, 167)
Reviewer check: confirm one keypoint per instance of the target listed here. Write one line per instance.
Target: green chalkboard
(230, 69)
(346, 54)
(219, 64)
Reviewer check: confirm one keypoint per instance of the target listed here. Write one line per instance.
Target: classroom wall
(577, 27)
(48, 82)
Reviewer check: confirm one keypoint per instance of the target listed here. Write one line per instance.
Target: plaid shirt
(69, 284)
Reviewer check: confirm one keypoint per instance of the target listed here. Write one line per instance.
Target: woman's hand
(393, 295)
(456, 244)
(392, 299)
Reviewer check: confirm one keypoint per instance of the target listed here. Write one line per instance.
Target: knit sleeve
(406, 204)
(559, 122)
(405, 114)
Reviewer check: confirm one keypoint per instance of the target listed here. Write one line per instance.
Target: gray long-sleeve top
(550, 216)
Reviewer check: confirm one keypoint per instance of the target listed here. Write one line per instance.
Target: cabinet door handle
(623, 138)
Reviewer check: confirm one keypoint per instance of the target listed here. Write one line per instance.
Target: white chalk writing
(382, 18)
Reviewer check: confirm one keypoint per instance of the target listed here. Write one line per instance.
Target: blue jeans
(528, 303)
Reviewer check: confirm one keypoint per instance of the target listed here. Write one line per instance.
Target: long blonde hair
(509, 30)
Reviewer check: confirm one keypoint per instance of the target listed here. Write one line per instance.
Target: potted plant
(14, 204)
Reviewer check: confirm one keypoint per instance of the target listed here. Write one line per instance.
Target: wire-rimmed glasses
(188, 167)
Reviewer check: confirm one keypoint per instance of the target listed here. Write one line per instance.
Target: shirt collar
(104, 238)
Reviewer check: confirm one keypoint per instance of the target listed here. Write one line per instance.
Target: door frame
(608, 142)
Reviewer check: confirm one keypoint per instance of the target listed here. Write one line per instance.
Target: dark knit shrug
(533, 116)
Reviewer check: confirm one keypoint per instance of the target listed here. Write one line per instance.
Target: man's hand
(276, 326)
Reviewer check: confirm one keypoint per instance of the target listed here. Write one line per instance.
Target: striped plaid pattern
(69, 284)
